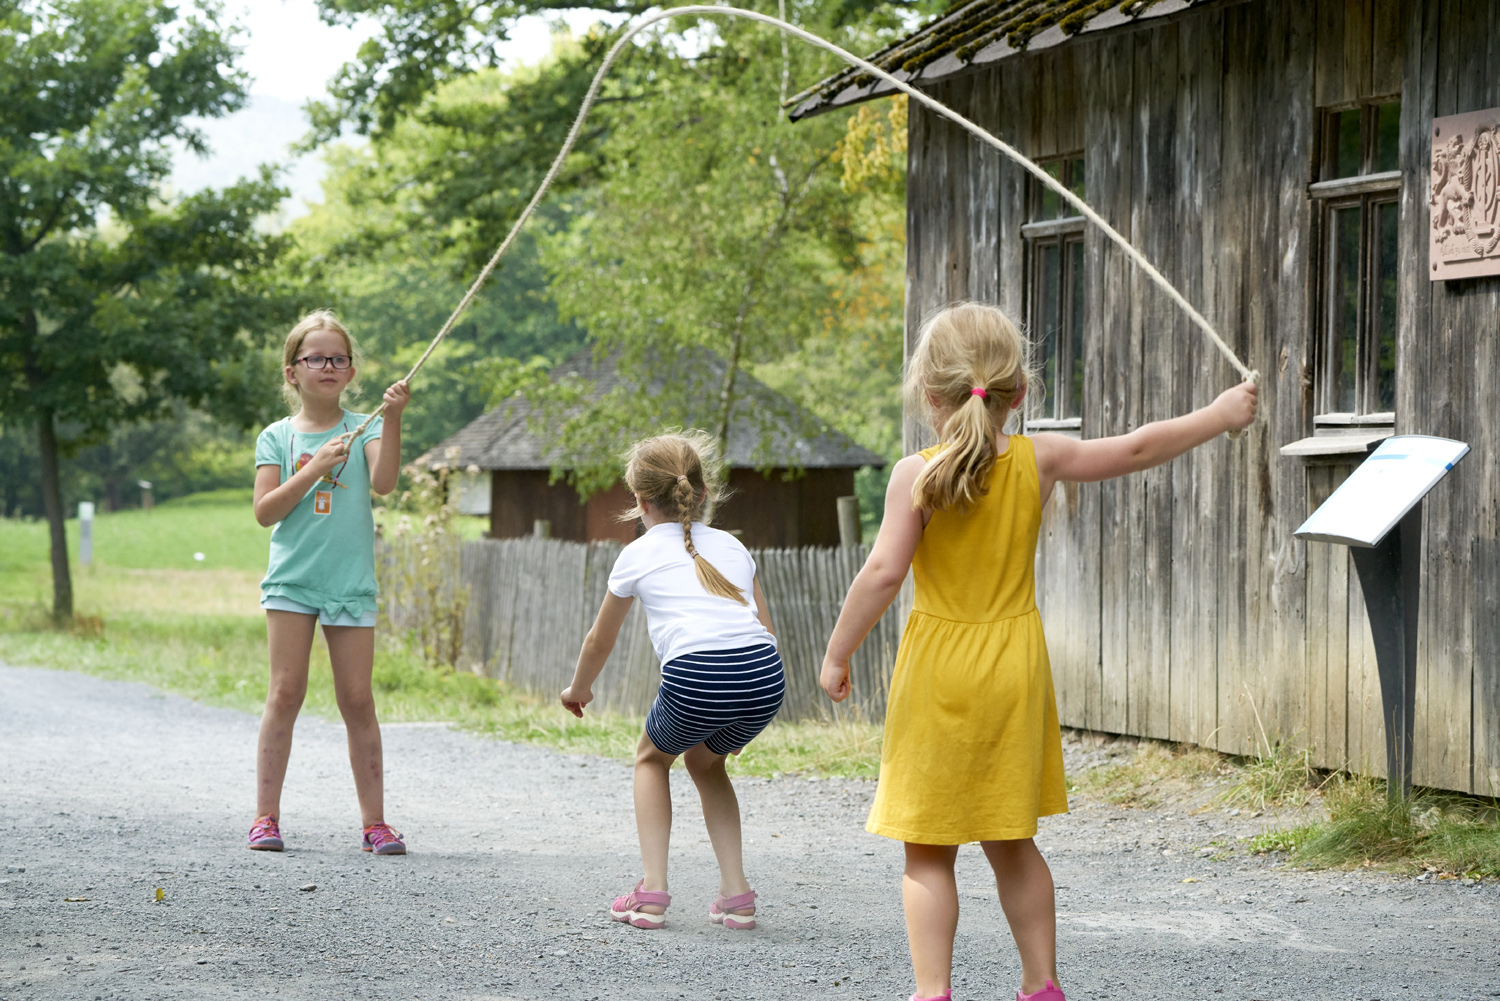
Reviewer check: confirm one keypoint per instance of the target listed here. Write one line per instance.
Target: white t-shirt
(681, 616)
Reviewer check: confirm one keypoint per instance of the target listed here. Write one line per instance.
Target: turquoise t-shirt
(323, 552)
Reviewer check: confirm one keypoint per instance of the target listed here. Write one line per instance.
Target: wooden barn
(786, 469)
(1274, 158)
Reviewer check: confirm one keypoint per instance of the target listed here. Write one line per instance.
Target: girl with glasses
(314, 485)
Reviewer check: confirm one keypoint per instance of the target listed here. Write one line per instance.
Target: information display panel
(1382, 489)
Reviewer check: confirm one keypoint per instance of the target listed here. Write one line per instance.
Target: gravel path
(110, 790)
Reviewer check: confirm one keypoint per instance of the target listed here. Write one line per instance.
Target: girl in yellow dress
(972, 747)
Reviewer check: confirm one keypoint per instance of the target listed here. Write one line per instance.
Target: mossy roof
(972, 32)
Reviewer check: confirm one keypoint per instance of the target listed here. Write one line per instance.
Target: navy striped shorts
(720, 698)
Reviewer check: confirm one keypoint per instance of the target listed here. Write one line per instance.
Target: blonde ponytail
(966, 375)
(676, 474)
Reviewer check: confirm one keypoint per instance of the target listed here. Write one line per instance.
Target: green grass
(151, 615)
(1444, 833)
(221, 527)
(220, 659)
(1282, 776)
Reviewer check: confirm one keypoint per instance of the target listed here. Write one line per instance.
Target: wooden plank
(983, 219)
(1387, 46)
(1414, 306)
(1195, 655)
(1336, 755)
(1010, 117)
(1045, 136)
(1319, 557)
(1445, 688)
(1484, 441)
(1366, 723)
(1157, 227)
(1111, 122)
(1328, 85)
(1236, 728)
(1357, 44)
(1284, 354)
(1069, 111)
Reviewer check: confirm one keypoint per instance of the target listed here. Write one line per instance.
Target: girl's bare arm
(384, 454)
(596, 649)
(879, 580)
(274, 500)
(762, 610)
(1068, 459)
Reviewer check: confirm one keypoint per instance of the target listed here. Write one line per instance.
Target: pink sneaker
(1047, 993)
(721, 911)
(945, 996)
(265, 835)
(382, 840)
(627, 908)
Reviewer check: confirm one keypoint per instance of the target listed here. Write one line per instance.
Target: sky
(291, 55)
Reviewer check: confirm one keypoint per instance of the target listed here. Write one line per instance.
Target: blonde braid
(682, 497)
(669, 472)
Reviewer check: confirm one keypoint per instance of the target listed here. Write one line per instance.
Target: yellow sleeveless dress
(972, 747)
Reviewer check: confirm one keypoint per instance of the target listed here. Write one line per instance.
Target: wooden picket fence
(529, 603)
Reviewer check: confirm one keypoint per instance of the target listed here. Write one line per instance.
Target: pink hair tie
(979, 392)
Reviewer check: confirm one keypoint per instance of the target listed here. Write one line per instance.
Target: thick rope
(849, 57)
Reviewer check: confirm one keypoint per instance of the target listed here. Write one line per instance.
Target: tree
(395, 281)
(425, 43)
(112, 305)
(717, 225)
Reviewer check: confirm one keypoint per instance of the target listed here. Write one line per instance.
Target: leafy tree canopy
(424, 43)
(113, 306)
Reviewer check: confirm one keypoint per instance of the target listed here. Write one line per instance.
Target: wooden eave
(960, 54)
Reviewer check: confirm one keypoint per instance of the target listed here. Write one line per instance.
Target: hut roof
(765, 428)
(974, 32)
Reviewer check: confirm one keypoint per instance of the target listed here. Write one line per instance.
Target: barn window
(1054, 296)
(1358, 195)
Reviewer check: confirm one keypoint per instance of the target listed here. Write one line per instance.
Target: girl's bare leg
(351, 651)
(289, 636)
(653, 814)
(1028, 899)
(929, 893)
(721, 815)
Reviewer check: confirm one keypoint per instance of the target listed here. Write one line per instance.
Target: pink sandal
(945, 996)
(1050, 992)
(627, 908)
(721, 911)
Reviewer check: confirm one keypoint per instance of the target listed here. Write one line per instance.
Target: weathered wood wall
(531, 601)
(1177, 603)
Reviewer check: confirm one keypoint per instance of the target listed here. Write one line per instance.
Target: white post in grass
(85, 533)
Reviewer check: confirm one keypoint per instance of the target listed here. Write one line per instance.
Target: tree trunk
(726, 388)
(62, 581)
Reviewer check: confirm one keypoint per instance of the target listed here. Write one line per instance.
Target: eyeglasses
(316, 362)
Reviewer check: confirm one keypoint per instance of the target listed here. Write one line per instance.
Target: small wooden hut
(786, 469)
(1274, 158)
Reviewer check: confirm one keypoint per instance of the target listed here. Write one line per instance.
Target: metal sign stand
(1377, 513)
(1390, 574)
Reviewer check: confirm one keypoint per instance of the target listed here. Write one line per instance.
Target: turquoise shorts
(276, 603)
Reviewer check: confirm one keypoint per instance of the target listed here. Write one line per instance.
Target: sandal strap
(660, 898)
(736, 902)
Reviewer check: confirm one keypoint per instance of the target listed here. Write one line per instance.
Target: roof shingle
(972, 32)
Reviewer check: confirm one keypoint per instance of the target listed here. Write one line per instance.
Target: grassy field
(150, 612)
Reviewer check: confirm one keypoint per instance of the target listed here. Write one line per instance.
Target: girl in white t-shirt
(721, 677)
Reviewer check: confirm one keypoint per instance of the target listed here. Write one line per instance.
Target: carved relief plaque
(1463, 199)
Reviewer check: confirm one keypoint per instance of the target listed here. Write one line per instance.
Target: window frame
(1371, 192)
(1062, 233)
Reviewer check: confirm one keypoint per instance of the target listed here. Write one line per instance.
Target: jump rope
(849, 57)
